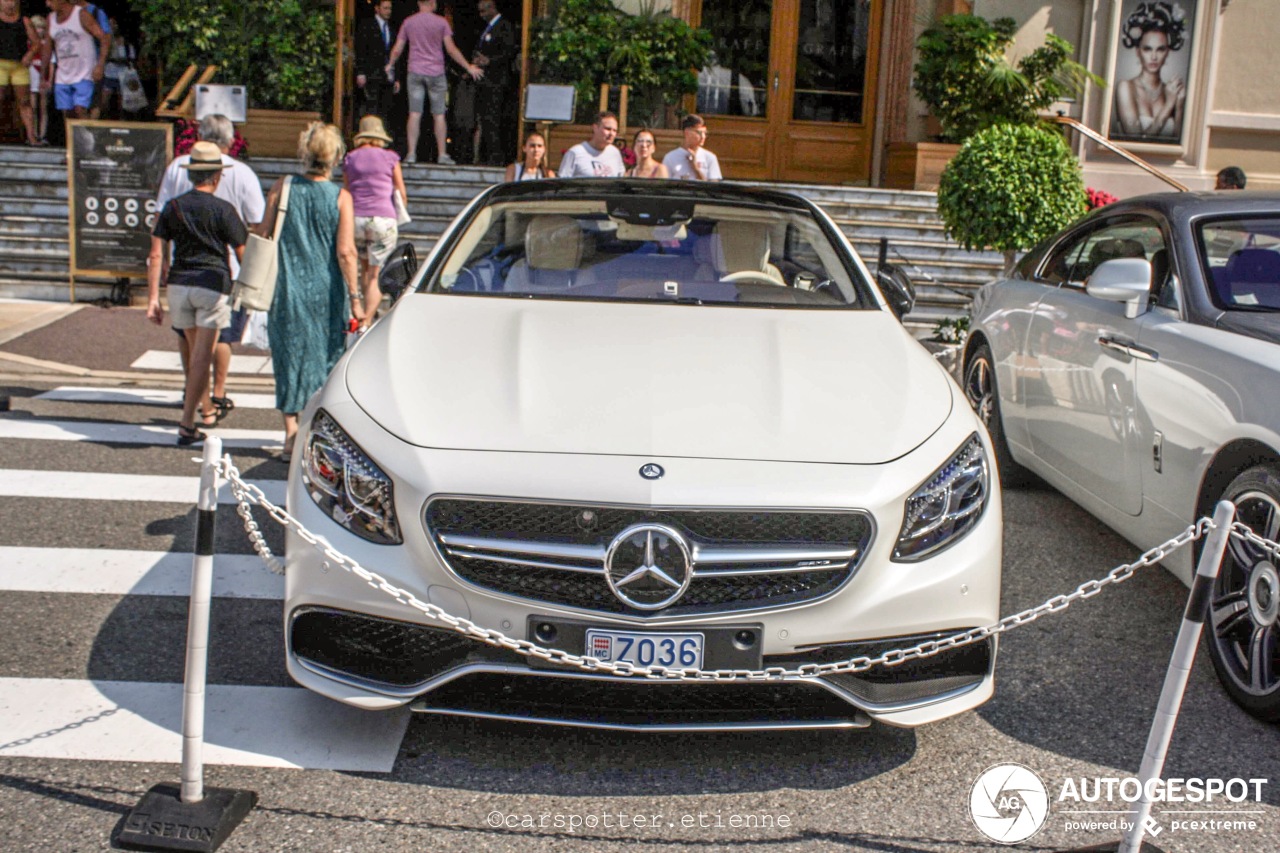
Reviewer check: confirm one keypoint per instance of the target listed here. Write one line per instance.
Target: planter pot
(917, 165)
(274, 133)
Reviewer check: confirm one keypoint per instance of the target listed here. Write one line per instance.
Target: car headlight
(947, 505)
(346, 484)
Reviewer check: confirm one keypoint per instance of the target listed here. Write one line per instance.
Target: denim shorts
(420, 86)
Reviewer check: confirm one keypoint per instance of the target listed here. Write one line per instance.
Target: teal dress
(308, 318)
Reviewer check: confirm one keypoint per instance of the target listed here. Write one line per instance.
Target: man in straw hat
(372, 174)
(240, 186)
(201, 227)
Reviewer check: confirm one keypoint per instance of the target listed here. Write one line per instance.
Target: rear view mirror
(398, 271)
(897, 288)
(1126, 280)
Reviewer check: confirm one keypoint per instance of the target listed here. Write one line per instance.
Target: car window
(1129, 237)
(706, 253)
(1242, 262)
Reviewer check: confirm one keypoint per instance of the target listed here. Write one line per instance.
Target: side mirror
(398, 271)
(897, 288)
(1126, 280)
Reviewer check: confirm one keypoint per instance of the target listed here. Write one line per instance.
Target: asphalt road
(1075, 696)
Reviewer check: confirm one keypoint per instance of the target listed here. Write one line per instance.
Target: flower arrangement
(186, 133)
(952, 330)
(1098, 198)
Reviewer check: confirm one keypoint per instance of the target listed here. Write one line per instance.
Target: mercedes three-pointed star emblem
(648, 566)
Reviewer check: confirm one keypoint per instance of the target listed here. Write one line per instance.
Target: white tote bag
(402, 211)
(255, 287)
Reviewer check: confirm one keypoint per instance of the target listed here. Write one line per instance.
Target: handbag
(402, 211)
(132, 96)
(255, 287)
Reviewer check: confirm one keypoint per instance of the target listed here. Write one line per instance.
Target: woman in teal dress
(317, 287)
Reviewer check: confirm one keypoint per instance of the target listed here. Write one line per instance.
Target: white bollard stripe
(81, 485)
(144, 397)
(244, 725)
(100, 571)
(118, 433)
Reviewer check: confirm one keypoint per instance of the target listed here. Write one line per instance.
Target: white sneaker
(412, 158)
(446, 160)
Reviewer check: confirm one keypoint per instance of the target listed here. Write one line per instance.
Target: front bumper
(352, 642)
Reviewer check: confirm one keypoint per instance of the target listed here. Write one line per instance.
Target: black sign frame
(114, 170)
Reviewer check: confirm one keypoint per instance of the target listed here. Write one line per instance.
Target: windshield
(653, 249)
(1242, 259)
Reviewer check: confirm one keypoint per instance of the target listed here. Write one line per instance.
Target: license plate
(679, 651)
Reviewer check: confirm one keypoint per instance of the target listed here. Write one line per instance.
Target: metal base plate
(161, 821)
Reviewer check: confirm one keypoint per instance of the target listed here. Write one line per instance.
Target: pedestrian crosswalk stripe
(121, 433)
(144, 396)
(104, 571)
(156, 359)
(249, 726)
(94, 486)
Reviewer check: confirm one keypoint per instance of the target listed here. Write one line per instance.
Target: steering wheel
(752, 275)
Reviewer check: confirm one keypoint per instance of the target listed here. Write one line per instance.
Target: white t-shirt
(677, 163)
(583, 161)
(239, 186)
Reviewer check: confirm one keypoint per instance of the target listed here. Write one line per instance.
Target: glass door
(789, 90)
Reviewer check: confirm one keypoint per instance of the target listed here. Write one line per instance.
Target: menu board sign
(114, 170)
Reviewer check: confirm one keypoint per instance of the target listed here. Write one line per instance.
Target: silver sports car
(658, 423)
(1133, 362)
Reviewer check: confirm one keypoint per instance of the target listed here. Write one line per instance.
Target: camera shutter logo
(1009, 803)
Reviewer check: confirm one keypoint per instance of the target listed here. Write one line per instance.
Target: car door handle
(1127, 347)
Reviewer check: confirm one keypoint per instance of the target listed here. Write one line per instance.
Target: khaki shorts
(198, 307)
(376, 237)
(14, 73)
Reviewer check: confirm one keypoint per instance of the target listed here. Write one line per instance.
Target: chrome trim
(851, 558)
(411, 692)
(537, 564)
(524, 546)
(1128, 347)
(859, 721)
(765, 554)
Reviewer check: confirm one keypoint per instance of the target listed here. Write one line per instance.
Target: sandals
(216, 415)
(188, 436)
(224, 405)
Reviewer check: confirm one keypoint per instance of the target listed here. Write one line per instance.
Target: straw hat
(205, 157)
(371, 128)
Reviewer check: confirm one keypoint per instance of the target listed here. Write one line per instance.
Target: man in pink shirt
(428, 36)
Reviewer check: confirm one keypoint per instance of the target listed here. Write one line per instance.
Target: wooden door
(789, 92)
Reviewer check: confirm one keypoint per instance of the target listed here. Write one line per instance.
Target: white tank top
(75, 48)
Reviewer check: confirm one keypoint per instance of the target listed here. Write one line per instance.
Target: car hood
(1265, 326)
(559, 376)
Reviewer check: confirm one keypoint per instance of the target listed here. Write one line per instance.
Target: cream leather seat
(554, 247)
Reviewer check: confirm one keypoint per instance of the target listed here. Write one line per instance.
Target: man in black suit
(495, 52)
(374, 38)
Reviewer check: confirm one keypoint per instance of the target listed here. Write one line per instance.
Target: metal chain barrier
(248, 495)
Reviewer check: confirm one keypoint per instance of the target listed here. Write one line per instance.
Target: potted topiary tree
(964, 76)
(281, 50)
(1009, 187)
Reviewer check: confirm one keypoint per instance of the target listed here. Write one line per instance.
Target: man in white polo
(692, 162)
(598, 157)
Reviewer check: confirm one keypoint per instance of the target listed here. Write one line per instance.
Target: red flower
(186, 133)
(1099, 198)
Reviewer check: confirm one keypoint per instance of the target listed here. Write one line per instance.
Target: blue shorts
(68, 96)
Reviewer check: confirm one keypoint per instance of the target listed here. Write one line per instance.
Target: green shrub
(282, 51)
(589, 42)
(1010, 187)
(967, 82)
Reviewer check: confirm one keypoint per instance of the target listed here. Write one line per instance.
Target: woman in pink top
(372, 173)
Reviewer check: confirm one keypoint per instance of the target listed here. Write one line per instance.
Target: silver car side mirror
(1126, 280)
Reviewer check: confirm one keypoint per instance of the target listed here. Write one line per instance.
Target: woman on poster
(1148, 108)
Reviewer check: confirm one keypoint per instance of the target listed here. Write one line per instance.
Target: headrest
(740, 246)
(1254, 265)
(1108, 250)
(553, 242)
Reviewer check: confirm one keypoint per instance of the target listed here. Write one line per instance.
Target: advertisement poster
(115, 170)
(1151, 48)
